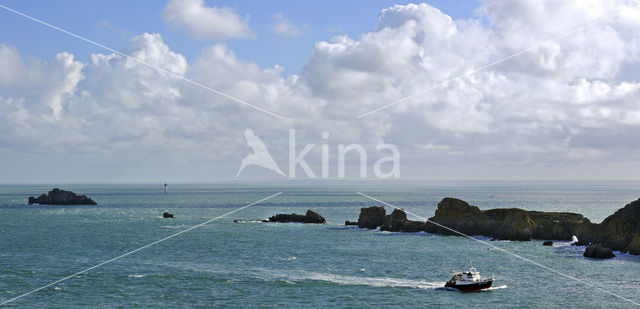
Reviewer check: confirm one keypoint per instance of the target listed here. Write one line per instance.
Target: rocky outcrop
(504, 223)
(350, 223)
(598, 252)
(309, 217)
(454, 216)
(61, 197)
(371, 217)
(168, 215)
(620, 231)
(548, 243)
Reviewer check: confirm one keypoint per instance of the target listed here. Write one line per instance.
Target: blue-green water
(226, 264)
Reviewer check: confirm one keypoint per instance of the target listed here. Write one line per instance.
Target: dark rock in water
(598, 252)
(168, 215)
(548, 243)
(395, 222)
(350, 223)
(61, 197)
(504, 224)
(619, 231)
(454, 216)
(264, 220)
(309, 217)
(371, 217)
(238, 220)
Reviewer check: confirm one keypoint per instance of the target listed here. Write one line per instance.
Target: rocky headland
(309, 217)
(619, 232)
(61, 197)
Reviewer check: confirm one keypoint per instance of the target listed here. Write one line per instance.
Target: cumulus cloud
(564, 110)
(207, 23)
(49, 84)
(285, 27)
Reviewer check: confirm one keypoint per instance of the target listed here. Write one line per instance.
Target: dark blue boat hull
(470, 287)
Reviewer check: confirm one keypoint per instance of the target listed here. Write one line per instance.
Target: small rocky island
(61, 197)
(619, 232)
(309, 217)
(598, 252)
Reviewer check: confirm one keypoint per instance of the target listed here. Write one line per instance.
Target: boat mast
(470, 262)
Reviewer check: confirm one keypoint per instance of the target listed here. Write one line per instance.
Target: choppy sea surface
(227, 264)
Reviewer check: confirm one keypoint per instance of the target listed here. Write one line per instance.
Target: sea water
(253, 264)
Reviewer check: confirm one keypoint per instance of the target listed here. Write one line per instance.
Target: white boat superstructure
(469, 280)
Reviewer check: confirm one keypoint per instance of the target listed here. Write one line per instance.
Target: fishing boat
(469, 281)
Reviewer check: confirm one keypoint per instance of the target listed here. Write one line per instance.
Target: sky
(479, 90)
(114, 23)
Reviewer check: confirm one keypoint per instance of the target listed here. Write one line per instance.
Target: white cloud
(285, 27)
(48, 84)
(566, 109)
(207, 23)
(13, 69)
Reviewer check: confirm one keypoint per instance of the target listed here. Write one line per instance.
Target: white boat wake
(302, 276)
(299, 276)
(500, 287)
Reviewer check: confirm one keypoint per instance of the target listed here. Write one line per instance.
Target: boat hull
(470, 287)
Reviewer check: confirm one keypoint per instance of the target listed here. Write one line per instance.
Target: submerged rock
(350, 223)
(598, 252)
(61, 197)
(309, 217)
(243, 221)
(548, 243)
(167, 215)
